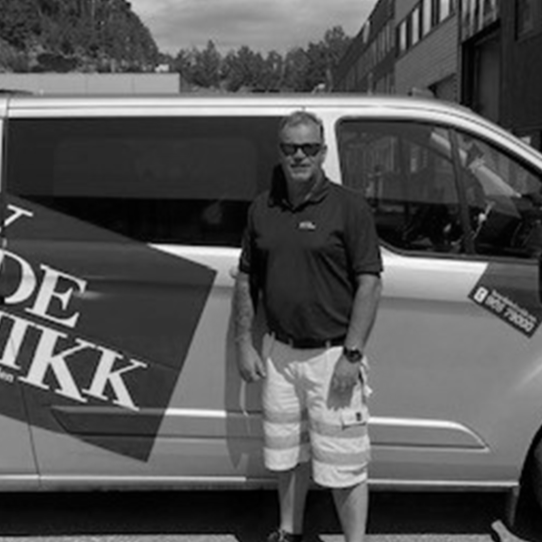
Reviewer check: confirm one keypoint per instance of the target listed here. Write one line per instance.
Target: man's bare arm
(364, 310)
(362, 320)
(251, 367)
(243, 309)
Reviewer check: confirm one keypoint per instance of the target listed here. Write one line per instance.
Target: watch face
(352, 354)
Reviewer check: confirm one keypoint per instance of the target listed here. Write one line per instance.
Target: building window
(403, 37)
(391, 35)
(427, 16)
(415, 26)
(361, 70)
(445, 7)
(528, 16)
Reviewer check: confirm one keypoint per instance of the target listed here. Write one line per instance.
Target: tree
(65, 34)
(207, 65)
(184, 64)
(316, 71)
(11, 59)
(336, 42)
(322, 57)
(295, 67)
(273, 71)
(243, 69)
(19, 22)
(299, 70)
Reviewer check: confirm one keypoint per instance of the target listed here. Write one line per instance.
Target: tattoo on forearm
(243, 310)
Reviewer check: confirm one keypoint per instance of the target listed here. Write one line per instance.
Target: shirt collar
(278, 195)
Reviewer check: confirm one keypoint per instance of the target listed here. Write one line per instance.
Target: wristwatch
(353, 355)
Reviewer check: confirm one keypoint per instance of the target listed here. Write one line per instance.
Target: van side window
(504, 200)
(406, 172)
(182, 180)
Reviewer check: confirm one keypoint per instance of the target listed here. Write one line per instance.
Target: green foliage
(105, 35)
(19, 22)
(206, 70)
(298, 70)
(11, 59)
(243, 69)
(62, 35)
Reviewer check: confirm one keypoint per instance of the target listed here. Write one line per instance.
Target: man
(311, 250)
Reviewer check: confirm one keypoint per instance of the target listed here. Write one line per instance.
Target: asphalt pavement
(247, 516)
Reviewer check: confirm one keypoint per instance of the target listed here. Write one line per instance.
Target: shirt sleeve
(361, 237)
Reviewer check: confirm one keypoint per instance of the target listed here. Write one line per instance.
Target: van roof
(30, 104)
(34, 101)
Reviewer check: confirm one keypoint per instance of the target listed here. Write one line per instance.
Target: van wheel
(536, 473)
(525, 500)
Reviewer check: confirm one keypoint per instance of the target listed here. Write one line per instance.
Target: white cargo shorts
(305, 421)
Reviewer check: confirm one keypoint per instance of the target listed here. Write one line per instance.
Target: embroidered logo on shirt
(307, 225)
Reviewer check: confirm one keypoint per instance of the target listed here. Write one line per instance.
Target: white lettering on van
(49, 290)
(45, 358)
(507, 309)
(105, 374)
(27, 279)
(51, 361)
(481, 294)
(6, 377)
(16, 337)
(54, 285)
(14, 213)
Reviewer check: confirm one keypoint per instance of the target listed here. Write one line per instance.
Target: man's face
(302, 152)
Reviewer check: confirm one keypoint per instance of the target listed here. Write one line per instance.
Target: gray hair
(302, 117)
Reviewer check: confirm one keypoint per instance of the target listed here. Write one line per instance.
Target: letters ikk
(53, 351)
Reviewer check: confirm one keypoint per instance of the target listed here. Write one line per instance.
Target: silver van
(121, 225)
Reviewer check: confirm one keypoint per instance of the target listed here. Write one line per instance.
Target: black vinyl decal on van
(95, 328)
(510, 292)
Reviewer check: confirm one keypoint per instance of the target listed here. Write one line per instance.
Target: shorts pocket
(356, 413)
(351, 416)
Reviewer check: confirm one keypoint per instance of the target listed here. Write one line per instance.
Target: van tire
(536, 473)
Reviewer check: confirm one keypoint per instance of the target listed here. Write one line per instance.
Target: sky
(263, 25)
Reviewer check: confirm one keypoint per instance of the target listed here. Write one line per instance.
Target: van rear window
(162, 180)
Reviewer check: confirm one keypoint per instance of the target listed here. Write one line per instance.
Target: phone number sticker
(511, 293)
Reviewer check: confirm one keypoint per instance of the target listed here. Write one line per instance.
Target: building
(482, 50)
(92, 83)
(482, 53)
(404, 46)
(501, 43)
(368, 64)
(427, 47)
(520, 102)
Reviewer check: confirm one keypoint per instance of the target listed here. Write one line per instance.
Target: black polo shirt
(305, 259)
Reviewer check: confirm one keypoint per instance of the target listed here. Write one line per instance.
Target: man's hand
(345, 376)
(249, 362)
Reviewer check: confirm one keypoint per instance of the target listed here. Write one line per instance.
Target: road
(226, 516)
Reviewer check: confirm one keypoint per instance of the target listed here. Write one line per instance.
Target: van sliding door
(121, 284)
(17, 464)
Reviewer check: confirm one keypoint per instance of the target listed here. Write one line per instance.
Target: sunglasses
(308, 149)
